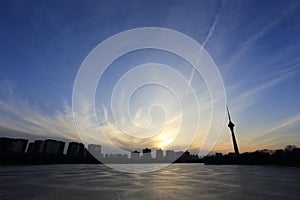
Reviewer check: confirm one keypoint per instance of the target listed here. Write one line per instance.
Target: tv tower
(231, 125)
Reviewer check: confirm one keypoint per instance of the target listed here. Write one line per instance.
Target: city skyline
(17, 150)
(255, 46)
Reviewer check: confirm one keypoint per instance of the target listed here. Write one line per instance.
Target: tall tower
(231, 125)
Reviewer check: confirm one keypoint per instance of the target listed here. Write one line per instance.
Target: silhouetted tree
(290, 147)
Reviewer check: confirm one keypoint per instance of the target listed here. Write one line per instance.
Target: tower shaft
(235, 146)
(231, 127)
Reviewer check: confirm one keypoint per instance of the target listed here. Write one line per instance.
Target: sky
(254, 44)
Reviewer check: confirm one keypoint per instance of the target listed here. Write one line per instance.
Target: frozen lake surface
(177, 181)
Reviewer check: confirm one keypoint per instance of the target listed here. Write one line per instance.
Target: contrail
(210, 32)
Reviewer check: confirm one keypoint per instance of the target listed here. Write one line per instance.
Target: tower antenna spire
(228, 113)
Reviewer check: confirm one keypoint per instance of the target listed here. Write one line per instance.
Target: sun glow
(164, 141)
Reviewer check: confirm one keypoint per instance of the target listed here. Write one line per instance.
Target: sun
(164, 142)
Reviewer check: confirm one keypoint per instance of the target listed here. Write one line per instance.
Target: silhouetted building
(147, 154)
(75, 149)
(159, 154)
(5, 145)
(186, 155)
(135, 155)
(12, 150)
(13, 146)
(183, 156)
(30, 148)
(95, 150)
(116, 158)
(231, 126)
(121, 157)
(170, 155)
(36, 148)
(18, 146)
(54, 147)
(218, 154)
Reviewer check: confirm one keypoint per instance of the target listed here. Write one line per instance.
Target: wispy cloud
(250, 41)
(266, 135)
(248, 97)
(24, 119)
(18, 115)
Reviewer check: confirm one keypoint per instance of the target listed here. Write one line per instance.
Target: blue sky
(255, 44)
